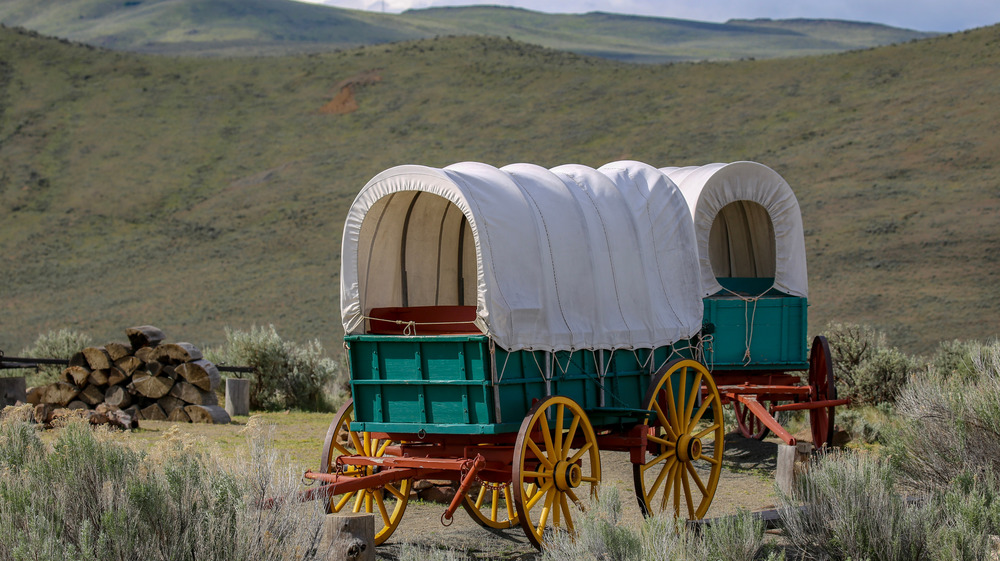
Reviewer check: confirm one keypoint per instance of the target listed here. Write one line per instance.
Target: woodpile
(146, 379)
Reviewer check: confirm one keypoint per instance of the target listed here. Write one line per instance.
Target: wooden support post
(12, 390)
(792, 461)
(349, 537)
(237, 396)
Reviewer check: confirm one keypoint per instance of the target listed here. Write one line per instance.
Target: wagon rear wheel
(824, 386)
(683, 457)
(491, 506)
(556, 464)
(389, 501)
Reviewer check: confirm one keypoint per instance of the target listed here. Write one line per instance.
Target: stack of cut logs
(144, 380)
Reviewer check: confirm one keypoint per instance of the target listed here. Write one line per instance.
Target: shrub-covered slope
(197, 193)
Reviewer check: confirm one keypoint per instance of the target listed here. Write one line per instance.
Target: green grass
(195, 194)
(254, 27)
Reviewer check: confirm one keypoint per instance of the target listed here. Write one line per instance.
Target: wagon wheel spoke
(341, 502)
(395, 492)
(682, 474)
(547, 475)
(666, 471)
(491, 506)
(583, 450)
(389, 506)
(697, 479)
(704, 433)
(568, 516)
(539, 454)
(701, 410)
(662, 419)
(386, 519)
(683, 434)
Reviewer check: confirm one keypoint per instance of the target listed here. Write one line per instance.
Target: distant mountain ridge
(275, 27)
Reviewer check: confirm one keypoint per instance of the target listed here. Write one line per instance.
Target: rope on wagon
(410, 326)
(748, 318)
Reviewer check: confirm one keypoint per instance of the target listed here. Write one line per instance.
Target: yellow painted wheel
(556, 462)
(388, 501)
(683, 457)
(491, 506)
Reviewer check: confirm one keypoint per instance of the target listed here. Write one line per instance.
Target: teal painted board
(453, 385)
(774, 326)
(420, 380)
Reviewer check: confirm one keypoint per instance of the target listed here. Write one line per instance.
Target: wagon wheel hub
(688, 448)
(567, 475)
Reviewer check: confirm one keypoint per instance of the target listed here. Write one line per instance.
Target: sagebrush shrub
(91, 497)
(601, 536)
(53, 344)
(854, 510)
(286, 375)
(867, 369)
(954, 358)
(949, 425)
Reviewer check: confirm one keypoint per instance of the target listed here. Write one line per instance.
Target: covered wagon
(752, 262)
(504, 326)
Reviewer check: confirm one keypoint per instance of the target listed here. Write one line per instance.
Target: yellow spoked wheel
(683, 457)
(492, 506)
(388, 501)
(556, 461)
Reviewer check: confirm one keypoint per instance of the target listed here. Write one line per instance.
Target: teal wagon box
(461, 384)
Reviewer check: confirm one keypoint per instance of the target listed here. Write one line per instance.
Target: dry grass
(212, 193)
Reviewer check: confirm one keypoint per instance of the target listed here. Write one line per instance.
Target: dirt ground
(747, 482)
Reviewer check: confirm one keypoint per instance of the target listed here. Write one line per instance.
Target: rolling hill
(268, 27)
(199, 193)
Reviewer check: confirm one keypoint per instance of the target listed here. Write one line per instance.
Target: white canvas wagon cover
(770, 245)
(561, 259)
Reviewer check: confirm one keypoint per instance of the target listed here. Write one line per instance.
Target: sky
(921, 15)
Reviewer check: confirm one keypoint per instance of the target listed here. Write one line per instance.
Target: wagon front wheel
(683, 456)
(387, 502)
(556, 464)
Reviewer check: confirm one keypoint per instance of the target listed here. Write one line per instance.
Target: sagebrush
(950, 425)
(601, 536)
(286, 375)
(931, 492)
(91, 497)
(868, 370)
(61, 344)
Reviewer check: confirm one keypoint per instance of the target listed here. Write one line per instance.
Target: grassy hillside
(255, 27)
(193, 194)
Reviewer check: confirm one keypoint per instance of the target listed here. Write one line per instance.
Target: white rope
(642, 363)
(541, 370)
(748, 318)
(505, 359)
(555, 358)
(410, 326)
